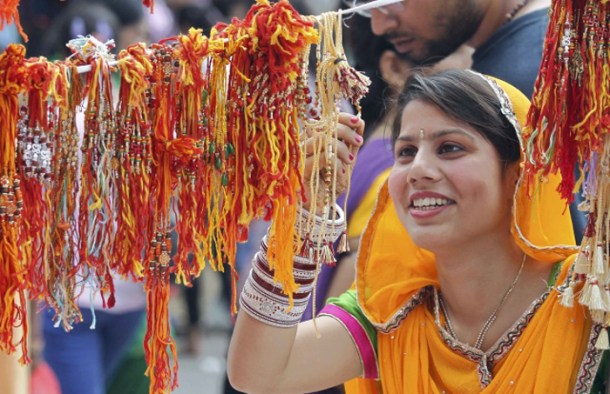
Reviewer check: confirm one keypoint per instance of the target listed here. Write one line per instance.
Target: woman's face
(447, 183)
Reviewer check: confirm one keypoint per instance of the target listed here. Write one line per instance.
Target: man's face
(426, 31)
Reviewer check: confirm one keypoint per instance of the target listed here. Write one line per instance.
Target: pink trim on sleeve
(368, 357)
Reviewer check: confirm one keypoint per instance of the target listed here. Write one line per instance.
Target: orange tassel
(13, 80)
(158, 343)
(10, 14)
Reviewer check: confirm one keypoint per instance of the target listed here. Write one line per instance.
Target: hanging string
(9, 14)
(13, 81)
(568, 128)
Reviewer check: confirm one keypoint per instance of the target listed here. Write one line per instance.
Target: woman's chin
(431, 241)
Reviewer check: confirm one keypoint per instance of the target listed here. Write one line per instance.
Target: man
(507, 36)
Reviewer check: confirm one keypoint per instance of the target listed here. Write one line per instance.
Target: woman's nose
(422, 168)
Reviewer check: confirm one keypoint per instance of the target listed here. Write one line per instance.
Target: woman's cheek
(396, 182)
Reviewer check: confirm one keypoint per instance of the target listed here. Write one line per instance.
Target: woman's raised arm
(269, 352)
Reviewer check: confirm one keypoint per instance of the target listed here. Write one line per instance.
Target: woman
(459, 270)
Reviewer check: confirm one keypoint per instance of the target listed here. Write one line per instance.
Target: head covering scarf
(392, 271)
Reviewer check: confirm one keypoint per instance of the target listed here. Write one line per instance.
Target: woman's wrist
(265, 300)
(318, 234)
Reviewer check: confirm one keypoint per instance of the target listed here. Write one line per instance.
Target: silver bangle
(269, 307)
(319, 229)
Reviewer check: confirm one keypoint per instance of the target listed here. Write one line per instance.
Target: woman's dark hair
(467, 97)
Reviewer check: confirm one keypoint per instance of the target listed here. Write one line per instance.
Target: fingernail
(351, 157)
(343, 171)
(354, 119)
(358, 139)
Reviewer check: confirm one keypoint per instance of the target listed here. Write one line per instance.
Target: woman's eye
(449, 148)
(406, 152)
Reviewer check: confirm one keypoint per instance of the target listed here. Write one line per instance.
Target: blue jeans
(84, 360)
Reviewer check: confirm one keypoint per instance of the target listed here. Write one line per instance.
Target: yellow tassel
(602, 342)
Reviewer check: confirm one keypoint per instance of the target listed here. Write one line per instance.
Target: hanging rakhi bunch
(568, 129)
(97, 193)
(13, 81)
(335, 80)
(133, 162)
(194, 188)
(39, 130)
(165, 148)
(264, 98)
(56, 280)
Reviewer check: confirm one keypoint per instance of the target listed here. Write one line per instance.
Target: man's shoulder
(514, 52)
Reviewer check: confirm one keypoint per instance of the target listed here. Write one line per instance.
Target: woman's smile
(428, 204)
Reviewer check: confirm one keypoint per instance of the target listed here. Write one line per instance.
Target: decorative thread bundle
(204, 138)
(568, 128)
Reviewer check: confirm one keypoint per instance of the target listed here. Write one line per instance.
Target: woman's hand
(333, 161)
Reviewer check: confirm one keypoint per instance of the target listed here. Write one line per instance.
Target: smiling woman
(465, 163)
(459, 270)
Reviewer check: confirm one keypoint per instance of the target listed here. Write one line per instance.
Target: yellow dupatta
(548, 356)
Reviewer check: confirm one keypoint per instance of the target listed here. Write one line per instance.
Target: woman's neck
(475, 281)
(469, 277)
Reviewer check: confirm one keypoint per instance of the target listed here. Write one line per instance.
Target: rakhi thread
(567, 130)
(202, 140)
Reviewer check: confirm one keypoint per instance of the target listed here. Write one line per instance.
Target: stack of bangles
(265, 300)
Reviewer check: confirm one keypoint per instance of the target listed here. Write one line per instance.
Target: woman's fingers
(348, 139)
(331, 160)
(350, 129)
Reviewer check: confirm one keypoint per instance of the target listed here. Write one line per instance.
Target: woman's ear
(393, 69)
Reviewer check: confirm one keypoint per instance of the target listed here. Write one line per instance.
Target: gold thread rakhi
(133, 162)
(335, 80)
